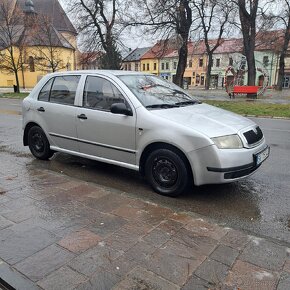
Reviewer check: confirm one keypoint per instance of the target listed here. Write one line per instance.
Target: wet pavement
(71, 223)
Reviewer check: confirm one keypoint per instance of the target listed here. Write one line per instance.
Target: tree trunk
(208, 71)
(281, 72)
(181, 64)
(17, 82)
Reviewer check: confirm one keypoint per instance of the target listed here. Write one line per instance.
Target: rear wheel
(167, 172)
(38, 143)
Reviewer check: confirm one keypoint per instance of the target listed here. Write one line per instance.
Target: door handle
(41, 109)
(82, 116)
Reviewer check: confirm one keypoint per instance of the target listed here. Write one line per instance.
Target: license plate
(262, 156)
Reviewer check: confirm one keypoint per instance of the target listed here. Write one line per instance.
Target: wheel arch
(162, 145)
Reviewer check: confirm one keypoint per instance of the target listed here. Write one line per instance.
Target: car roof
(103, 72)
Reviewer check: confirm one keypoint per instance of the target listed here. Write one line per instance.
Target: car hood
(206, 119)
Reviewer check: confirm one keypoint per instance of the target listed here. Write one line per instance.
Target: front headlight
(228, 142)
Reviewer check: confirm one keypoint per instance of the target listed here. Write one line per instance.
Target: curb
(266, 117)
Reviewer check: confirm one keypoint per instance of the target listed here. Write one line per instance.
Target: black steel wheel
(167, 172)
(38, 143)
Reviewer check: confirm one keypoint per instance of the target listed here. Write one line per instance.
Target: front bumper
(211, 165)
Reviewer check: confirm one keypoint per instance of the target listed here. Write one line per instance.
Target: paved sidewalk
(61, 233)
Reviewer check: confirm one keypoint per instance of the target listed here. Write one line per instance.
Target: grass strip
(253, 108)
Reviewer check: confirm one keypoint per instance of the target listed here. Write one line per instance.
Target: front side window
(100, 94)
(155, 92)
(63, 90)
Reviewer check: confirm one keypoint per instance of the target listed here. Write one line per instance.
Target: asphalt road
(259, 204)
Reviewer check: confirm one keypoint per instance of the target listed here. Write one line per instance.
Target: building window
(193, 74)
(201, 62)
(265, 60)
(143, 66)
(218, 62)
(68, 66)
(155, 66)
(175, 65)
(148, 66)
(231, 61)
(31, 64)
(162, 65)
(136, 66)
(167, 65)
(190, 63)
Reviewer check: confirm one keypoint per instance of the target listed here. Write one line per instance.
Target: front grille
(253, 137)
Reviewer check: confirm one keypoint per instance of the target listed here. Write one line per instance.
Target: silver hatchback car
(142, 122)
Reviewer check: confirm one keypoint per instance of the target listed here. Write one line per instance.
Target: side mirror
(121, 108)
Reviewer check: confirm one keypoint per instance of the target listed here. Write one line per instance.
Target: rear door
(100, 132)
(56, 111)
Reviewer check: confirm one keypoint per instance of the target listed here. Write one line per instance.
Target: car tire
(167, 172)
(38, 143)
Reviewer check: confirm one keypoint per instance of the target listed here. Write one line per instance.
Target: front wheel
(38, 143)
(167, 172)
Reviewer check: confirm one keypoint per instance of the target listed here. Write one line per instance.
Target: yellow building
(195, 72)
(150, 61)
(45, 41)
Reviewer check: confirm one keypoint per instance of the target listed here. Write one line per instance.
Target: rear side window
(60, 90)
(100, 94)
(63, 90)
(45, 91)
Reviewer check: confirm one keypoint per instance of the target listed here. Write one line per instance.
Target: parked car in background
(142, 122)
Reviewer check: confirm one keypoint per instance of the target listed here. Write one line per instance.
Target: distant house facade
(133, 60)
(46, 41)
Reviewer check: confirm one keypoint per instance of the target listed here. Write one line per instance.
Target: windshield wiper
(187, 103)
(162, 106)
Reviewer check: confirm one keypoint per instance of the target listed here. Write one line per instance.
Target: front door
(100, 132)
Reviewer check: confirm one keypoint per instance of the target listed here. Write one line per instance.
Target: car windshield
(156, 93)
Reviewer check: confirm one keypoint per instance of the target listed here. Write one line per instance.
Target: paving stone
(127, 236)
(235, 239)
(5, 223)
(284, 282)
(204, 229)
(264, 254)
(102, 280)
(107, 203)
(107, 225)
(19, 203)
(170, 226)
(140, 251)
(4, 198)
(79, 241)
(157, 237)
(21, 214)
(212, 271)
(246, 276)
(18, 242)
(37, 266)
(14, 278)
(127, 211)
(286, 267)
(140, 278)
(89, 261)
(225, 255)
(196, 283)
(64, 278)
(203, 245)
(122, 265)
(173, 267)
(181, 217)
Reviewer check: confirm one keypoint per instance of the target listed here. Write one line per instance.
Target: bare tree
(248, 14)
(282, 18)
(97, 22)
(11, 40)
(212, 23)
(166, 18)
(48, 44)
